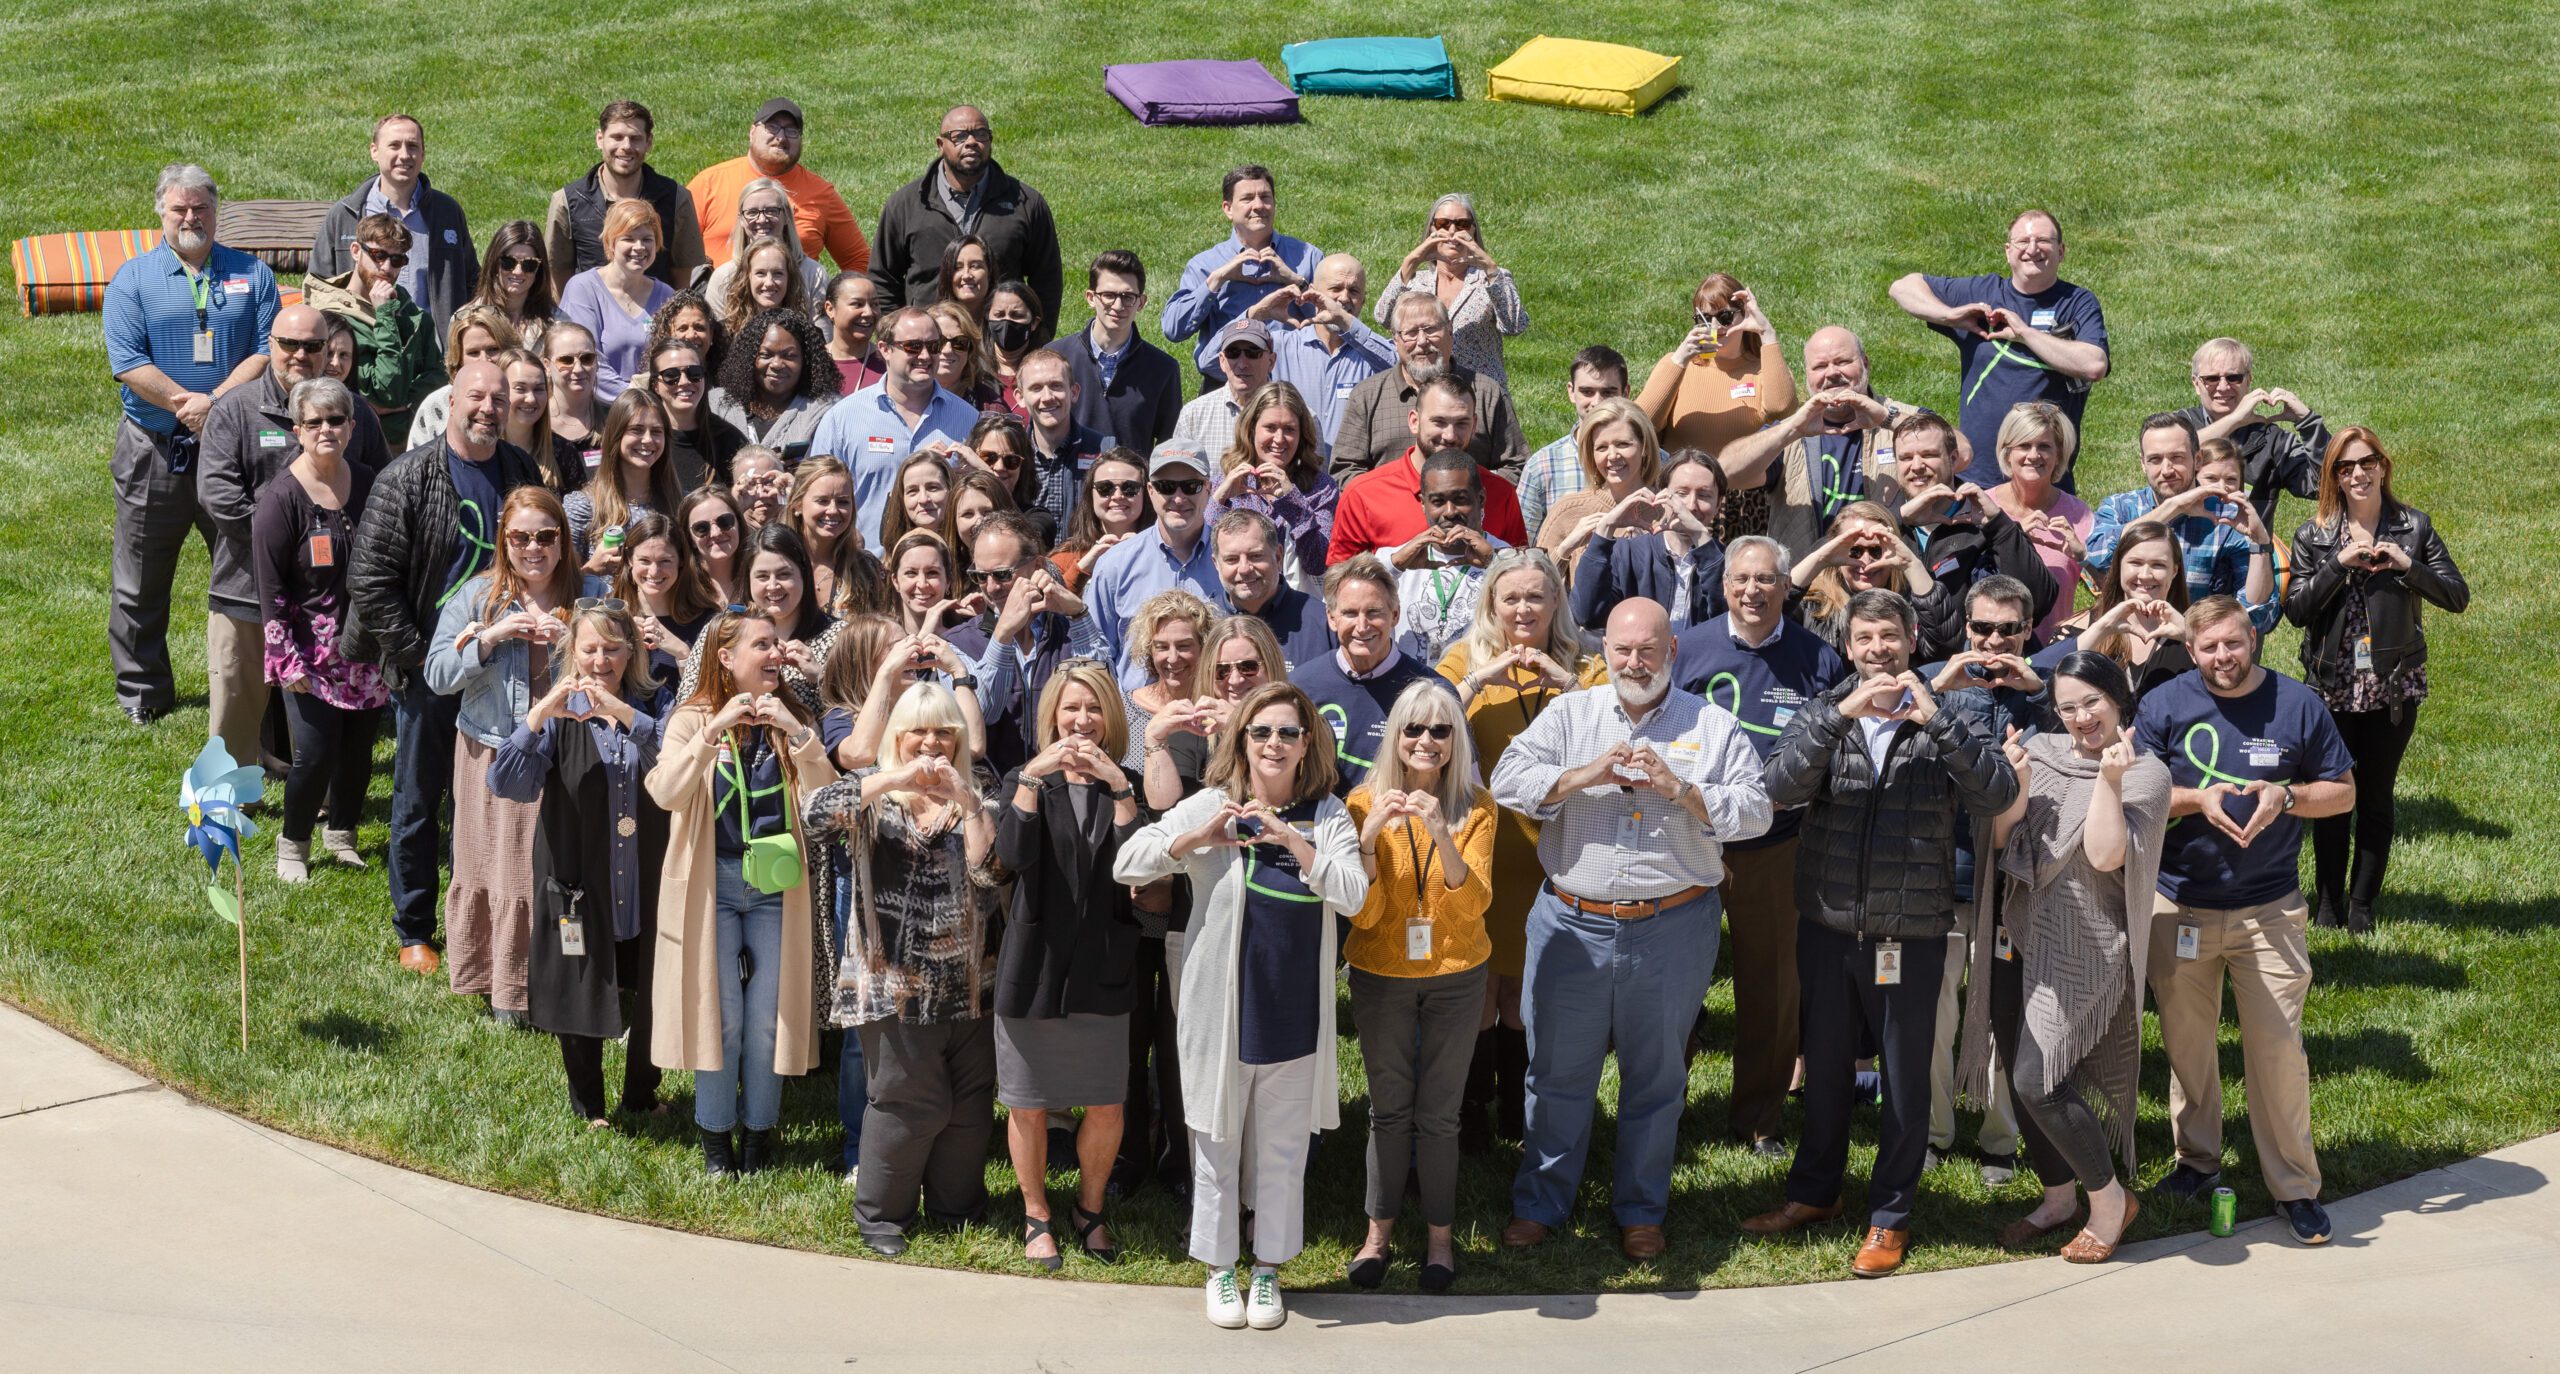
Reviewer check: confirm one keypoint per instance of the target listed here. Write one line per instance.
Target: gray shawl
(2084, 936)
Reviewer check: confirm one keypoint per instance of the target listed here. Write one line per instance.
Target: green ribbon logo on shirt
(1251, 867)
(464, 519)
(1340, 720)
(2000, 353)
(1729, 680)
(2205, 765)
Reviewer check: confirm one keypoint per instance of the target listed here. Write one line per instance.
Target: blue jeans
(421, 785)
(1591, 981)
(853, 1091)
(753, 920)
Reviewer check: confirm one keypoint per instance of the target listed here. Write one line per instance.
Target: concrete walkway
(141, 1231)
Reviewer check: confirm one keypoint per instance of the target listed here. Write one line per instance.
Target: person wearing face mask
(1318, 343)
(1884, 774)
(2059, 942)
(2252, 755)
(1064, 983)
(581, 758)
(1247, 547)
(1274, 468)
(1960, 533)
(1637, 787)
(1357, 684)
(250, 435)
(2025, 337)
(2214, 532)
(2365, 567)
(2037, 444)
(1658, 544)
(573, 225)
(2140, 616)
(399, 355)
(1378, 417)
(1439, 570)
(1013, 330)
(633, 477)
(1417, 953)
(1173, 553)
(493, 649)
(2281, 439)
(740, 768)
(1273, 861)
(298, 554)
(1382, 507)
(775, 385)
(1790, 479)
(1209, 422)
(1751, 663)
(430, 527)
(617, 301)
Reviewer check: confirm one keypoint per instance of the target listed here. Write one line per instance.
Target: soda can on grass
(2226, 1211)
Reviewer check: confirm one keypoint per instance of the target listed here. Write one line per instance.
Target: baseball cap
(779, 106)
(1253, 331)
(1177, 453)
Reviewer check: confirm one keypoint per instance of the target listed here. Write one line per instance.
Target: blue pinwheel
(213, 791)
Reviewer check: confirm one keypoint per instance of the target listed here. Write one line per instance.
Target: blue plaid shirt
(2216, 555)
(1552, 472)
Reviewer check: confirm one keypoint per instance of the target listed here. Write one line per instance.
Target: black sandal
(1033, 1228)
(1086, 1223)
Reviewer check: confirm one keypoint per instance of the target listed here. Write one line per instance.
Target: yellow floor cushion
(1607, 77)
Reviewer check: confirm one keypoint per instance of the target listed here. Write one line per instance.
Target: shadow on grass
(2388, 1052)
(2364, 966)
(2511, 916)
(347, 1032)
(2418, 817)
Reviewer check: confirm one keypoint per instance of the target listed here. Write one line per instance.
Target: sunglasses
(1128, 488)
(324, 422)
(1166, 486)
(602, 603)
(999, 459)
(1237, 352)
(1417, 730)
(955, 345)
(1446, 225)
(718, 524)
(298, 345)
(915, 347)
(1289, 734)
(533, 539)
(993, 577)
(2222, 378)
(2003, 628)
(1251, 667)
(1724, 318)
(669, 376)
(520, 264)
(395, 261)
(576, 360)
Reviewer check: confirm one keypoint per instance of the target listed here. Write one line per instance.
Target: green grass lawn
(2352, 188)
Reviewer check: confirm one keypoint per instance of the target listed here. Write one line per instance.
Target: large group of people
(787, 668)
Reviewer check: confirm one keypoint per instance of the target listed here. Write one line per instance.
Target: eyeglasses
(1128, 488)
(520, 264)
(2006, 629)
(1416, 730)
(1289, 734)
(324, 422)
(761, 212)
(2222, 378)
(1119, 298)
(297, 345)
(915, 347)
(1251, 667)
(533, 539)
(993, 577)
(1237, 352)
(1422, 331)
(977, 134)
(1189, 486)
(575, 360)
(1445, 225)
(669, 376)
(718, 524)
(394, 261)
(602, 603)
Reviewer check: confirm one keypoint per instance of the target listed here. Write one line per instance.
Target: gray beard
(1641, 697)
(190, 241)
(1423, 374)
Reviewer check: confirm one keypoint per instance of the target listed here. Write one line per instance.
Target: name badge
(271, 438)
(593, 457)
(1888, 963)
(2187, 941)
(236, 286)
(2364, 653)
(204, 345)
(1779, 718)
(881, 443)
(573, 939)
(2264, 758)
(2001, 948)
(1743, 391)
(324, 550)
(2042, 319)
(1884, 455)
(1417, 940)
(1627, 825)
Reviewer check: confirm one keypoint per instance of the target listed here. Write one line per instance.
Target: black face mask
(1009, 336)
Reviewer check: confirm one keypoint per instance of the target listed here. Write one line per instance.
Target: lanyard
(201, 283)
(1520, 695)
(1420, 862)
(1729, 680)
(2205, 766)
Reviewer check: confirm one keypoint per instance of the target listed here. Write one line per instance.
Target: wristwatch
(800, 738)
(968, 680)
(1125, 793)
(2288, 796)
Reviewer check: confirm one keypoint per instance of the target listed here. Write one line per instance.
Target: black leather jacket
(2317, 599)
(403, 550)
(1877, 854)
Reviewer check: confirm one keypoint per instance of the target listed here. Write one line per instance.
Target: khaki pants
(1760, 914)
(2264, 951)
(1999, 1134)
(235, 653)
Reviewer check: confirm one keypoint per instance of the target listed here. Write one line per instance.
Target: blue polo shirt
(1134, 569)
(2280, 731)
(1761, 687)
(1998, 375)
(151, 318)
(1324, 379)
(1194, 309)
(866, 432)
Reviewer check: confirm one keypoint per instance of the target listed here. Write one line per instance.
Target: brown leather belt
(1630, 911)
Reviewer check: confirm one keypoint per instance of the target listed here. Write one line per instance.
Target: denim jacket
(496, 690)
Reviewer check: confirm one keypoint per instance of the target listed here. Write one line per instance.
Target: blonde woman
(478, 331)
(1417, 953)
(915, 972)
(1620, 457)
(764, 211)
(2037, 443)
(1865, 552)
(764, 277)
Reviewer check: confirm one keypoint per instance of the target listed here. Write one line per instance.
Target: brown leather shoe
(1793, 1216)
(2022, 1233)
(2086, 1248)
(1643, 1244)
(1523, 1233)
(1882, 1252)
(420, 958)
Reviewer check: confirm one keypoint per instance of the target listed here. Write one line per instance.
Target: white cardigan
(1208, 1035)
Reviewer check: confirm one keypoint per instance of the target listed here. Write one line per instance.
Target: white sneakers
(1226, 1305)
(1263, 1311)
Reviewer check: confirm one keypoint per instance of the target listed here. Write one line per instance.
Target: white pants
(1175, 942)
(1279, 1119)
(2000, 1124)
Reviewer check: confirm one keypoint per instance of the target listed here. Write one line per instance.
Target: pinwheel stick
(240, 893)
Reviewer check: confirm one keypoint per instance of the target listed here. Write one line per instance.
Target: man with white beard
(1637, 786)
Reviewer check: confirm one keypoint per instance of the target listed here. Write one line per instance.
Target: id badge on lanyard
(1888, 963)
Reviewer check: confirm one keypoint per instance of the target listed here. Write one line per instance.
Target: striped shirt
(1552, 473)
(151, 319)
(1611, 843)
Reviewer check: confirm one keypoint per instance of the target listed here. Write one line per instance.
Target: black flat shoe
(1371, 1271)
(1033, 1228)
(1086, 1223)
(1438, 1278)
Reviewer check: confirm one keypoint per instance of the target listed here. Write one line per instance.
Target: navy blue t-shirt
(475, 543)
(761, 771)
(2281, 731)
(1999, 374)
(1762, 687)
(1357, 711)
(1297, 621)
(1282, 952)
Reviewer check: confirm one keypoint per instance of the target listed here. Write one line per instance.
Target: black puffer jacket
(1879, 858)
(2317, 600)
(404, 549)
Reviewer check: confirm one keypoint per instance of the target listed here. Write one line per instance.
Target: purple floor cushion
(1199, 91)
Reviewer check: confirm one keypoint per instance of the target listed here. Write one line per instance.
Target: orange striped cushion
(66, 273)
